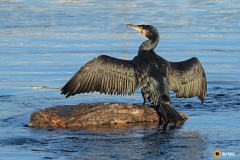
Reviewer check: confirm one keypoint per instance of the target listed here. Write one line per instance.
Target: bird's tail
(169, 112)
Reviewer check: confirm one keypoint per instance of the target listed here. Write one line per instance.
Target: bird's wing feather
(187, 79)
(103, 74)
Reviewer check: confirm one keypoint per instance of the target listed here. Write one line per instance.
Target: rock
(72, 116)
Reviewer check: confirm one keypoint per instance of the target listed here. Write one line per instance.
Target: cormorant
(148, 71)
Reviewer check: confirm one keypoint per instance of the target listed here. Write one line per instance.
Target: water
(43, 43)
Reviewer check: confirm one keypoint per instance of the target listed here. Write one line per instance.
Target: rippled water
(43, 43)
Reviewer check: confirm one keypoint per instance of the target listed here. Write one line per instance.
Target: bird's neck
(150, 44)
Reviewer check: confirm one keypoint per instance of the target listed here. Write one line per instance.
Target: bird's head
(148, 31)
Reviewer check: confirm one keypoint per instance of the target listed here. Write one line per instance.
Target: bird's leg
(144, 102)
(145, 96)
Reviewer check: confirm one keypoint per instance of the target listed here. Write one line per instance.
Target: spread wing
(187, 79)
(103, 74)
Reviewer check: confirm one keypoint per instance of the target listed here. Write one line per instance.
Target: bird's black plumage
(148, 71)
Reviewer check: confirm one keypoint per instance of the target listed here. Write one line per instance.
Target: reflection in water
(142, 141)
(135, 143)
(174, 143)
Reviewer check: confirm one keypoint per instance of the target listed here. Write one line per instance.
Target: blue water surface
(43, 44)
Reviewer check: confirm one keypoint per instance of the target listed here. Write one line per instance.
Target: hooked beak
(138, 28)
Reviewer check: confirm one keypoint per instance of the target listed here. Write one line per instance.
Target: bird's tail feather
(169, 112)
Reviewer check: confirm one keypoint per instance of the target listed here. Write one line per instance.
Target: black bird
(148, 71)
